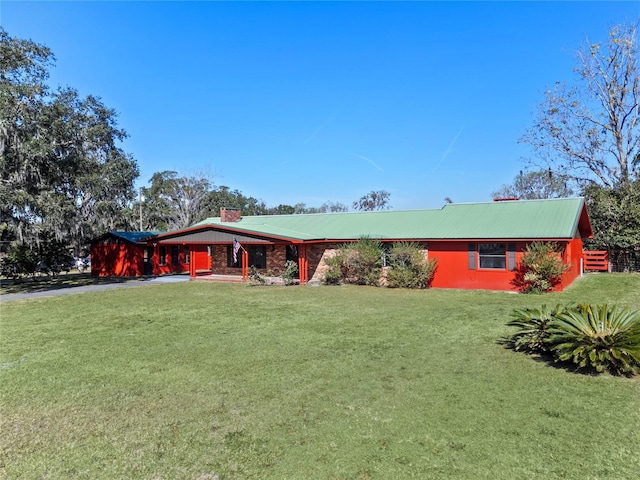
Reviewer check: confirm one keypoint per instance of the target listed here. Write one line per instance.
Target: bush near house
(409, 268)
(361, 264)
(358, 263)
(540, 269)
(594, 338)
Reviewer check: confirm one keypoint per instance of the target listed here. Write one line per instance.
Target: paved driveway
(94, 288)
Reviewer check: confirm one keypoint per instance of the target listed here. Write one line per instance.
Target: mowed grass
(184, 381)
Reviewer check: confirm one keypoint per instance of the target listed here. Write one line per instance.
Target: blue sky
(311, 102)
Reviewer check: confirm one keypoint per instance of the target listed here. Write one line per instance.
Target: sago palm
(597, 337)
(533, 325)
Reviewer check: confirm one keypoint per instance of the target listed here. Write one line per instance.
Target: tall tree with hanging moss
(62, 169)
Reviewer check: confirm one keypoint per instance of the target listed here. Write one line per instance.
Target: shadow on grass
(62, 281)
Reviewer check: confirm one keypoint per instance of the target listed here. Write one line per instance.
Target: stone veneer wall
(317, 255)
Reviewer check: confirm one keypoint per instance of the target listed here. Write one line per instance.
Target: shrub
(289, 273)
(593, 337)
(366, 262)
(534, 328)
(597, 337)
(333, 274)
(255, 276)
(408, 266)
(54, 255)
(20, 261)
(359, 263)
(540, 269)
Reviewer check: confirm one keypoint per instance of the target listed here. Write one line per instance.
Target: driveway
(93, 288)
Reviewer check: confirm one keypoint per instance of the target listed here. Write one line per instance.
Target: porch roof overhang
(211, 235)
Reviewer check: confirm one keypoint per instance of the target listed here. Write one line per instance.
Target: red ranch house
(477, 245)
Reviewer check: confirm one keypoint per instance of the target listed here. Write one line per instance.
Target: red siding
(169, 266)
(123, 260)
(453, 266)
(573, 256)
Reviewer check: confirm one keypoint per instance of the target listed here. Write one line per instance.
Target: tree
(173, 202)
(223, 196)
(591, 130)
(332, 207)
(535, 185)
(615, 217)
(61, 168)
(326, 207)
(374, 200)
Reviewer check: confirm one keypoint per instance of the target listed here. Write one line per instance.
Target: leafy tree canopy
(536, 185)
(615, 217)
(374, 200)
(62, 170)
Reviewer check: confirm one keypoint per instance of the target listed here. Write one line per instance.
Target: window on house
(492, 255)
(163, 256)
(257, 256)
(187, 255)
(175, 255)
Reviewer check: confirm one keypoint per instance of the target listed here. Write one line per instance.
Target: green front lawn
(188, 380)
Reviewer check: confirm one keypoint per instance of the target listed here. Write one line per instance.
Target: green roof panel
(524, 219)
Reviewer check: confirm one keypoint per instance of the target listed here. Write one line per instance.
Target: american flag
(236, 248)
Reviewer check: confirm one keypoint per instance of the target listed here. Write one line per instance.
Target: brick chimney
(230, 214)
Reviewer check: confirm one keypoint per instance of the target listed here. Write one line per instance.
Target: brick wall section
(230, 214)
(275, 260)
(219, 261)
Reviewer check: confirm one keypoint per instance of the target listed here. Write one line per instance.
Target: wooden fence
(597, 260)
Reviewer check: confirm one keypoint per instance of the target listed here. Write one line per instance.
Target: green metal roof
(523, 219)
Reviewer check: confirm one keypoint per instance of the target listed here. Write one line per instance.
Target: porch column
(245, 265)
(154, 260)
(303, 264)
(192, 261)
